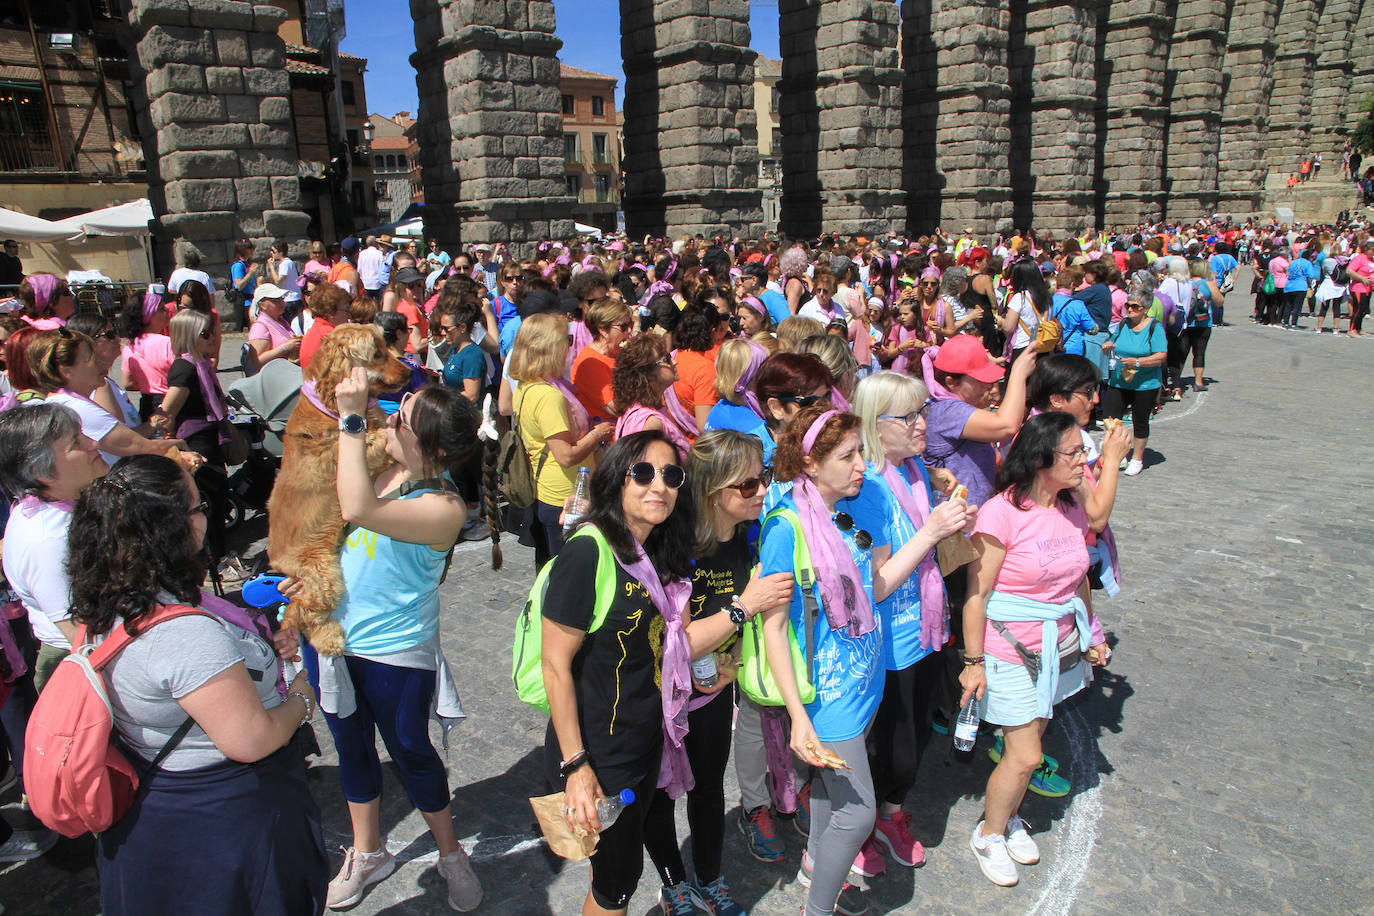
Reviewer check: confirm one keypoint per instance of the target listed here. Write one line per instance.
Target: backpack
(527, 662)
(1339, 275)
(519, 484)
(755, 676)
(1200, 310)
(1049, 333)
(78, 781)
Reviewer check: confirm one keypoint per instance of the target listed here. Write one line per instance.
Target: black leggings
(708, 750)
(1292, 305)
(901, 729)
(1358, 311)
(1194, 339)
(1176, 353)
(1114, 401)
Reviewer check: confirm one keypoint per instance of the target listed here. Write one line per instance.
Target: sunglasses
(921, 413)
(398, 418)
(748, 488)
(643, 473)
(803, 400)
(666, 361)
(515, 278)
(845, 522)
(930, 282)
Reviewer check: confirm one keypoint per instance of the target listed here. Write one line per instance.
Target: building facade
(591, 145)
(391, 165)
(767, 73)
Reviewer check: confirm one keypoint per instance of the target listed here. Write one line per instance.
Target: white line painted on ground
(1199, 399)
(1071, 858)
(1288, 540)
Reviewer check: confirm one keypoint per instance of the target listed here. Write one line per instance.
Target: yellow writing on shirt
(633, 621)
(366, 539)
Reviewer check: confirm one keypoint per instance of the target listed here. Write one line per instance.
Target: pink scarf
(901, 334)
(915, 502)
(43, 286)
(839, 401)
(253, 621)
(29, 505)
(745, 386)
(675, 773)
(578, 419)
(681, 416)
(633, 420)
(311, 395)
(842, 588)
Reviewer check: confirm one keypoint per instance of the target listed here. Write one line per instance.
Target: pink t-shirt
(1359, 265)
(1047, 558)
(1278, 266)
(145, 362)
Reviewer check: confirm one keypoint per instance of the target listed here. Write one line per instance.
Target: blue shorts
(1010, 697)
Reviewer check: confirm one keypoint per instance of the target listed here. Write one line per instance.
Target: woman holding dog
(402, 528)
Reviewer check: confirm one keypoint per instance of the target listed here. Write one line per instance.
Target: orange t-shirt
(312, 339)
(591, 379)
(414, 317)
(696, 379)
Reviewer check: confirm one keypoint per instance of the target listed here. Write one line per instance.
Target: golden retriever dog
(305, 525)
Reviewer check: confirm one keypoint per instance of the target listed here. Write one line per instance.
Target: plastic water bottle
(581, 504)
(704, 670)
(608, 809)
(966, 728)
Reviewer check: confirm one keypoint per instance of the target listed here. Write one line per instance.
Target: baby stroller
(262, 403)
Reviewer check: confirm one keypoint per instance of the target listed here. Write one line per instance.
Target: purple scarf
(902, 334)
(253, 621)
(675, 773)
(679, 413)
(838, 576)
(745, 386)
(578, 419)
(43, 286)
(311, 395)
(634, 419)
(29, 505)
(915, 502)
(839, 401)
(210, 391)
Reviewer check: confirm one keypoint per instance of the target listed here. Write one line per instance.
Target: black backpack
(1200, 310)
(1339, 275)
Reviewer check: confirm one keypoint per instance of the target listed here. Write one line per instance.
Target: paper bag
(551, 810)
(953, 552)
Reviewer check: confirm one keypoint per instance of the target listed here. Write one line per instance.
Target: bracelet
(972, 660)
(567, 767)
(309, 706)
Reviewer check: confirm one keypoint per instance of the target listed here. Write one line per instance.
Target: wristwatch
(736, 612)
(353, 423)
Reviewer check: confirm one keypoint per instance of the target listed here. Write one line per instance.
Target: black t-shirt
(719, 577)
(616, 669)
(182, 374)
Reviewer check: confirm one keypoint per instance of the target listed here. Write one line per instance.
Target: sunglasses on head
(802, 400)
(643, 473)
(748, 488)
(845, 522)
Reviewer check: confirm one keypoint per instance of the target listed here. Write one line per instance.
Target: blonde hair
(603, 313)
(792, 331)
(1200, 270)
(49, 351)
(833, 351)
(876, 395)
(718, 458)
(541, 348)
(185, 329)
(731, 361)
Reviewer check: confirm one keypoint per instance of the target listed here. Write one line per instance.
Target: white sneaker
(360, 871)
(1134, 467)
(992, 856)
(1020, 846)
(1122, 465)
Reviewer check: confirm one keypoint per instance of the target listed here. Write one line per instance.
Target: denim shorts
(1010, 697)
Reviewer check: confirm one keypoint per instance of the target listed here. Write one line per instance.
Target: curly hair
(697, 329)
(794, 261)
(787, 457)
(632, 378)
(669, 545)
(130, 540)
(326, 300)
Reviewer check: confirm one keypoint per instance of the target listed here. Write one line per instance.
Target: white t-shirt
(96, 421)
(35, 563)
(182, 274)
(1023, 305)
(290, 279)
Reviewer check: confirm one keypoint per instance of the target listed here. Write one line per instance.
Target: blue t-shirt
(738, 417)
(776, 303)
(506, 312)
(849, 670)
(464, 364)
(1131, 344)
(1222, 265)
(902, 609)
(507, 338)
(238, 270)
(1300, 272)
(1098, 299)
(1073, 317)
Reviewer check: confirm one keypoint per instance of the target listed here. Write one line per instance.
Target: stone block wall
(691, 131)
(1134, 113)
(491, 134)
(215, 115)
(1195, 58)
(1333, 107)
(1290, 108)
(1245, 109)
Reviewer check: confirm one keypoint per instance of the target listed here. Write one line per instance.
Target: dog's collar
(308, 389)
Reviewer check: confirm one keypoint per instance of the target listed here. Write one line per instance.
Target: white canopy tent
(15, 225)
(130, 218)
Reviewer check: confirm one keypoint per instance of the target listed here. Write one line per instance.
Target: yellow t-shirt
(542, 411)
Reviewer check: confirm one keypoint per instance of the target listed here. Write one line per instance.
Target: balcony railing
(593, 196)
(26, 153)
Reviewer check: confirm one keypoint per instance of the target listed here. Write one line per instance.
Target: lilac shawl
(915, 502)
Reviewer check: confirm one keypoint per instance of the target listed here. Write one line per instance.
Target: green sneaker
(1047, 763)
(1048, 783)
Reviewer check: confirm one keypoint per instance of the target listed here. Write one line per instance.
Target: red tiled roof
(397, 143)
(344, 55)
(302, 68)
(301, 50)
(577, 73)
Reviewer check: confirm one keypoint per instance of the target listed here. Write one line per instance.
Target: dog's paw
(328, 638)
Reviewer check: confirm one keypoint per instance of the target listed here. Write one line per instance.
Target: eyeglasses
(803, 400)
(666, 361)
(1087, 391)
(623, 326)
(1073, 452)
(748, 488)
(920, 413)
(845, 522)
(202, 507)
(107, 334)
(643, 473)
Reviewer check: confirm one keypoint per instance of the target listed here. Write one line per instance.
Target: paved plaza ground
(1220, 765)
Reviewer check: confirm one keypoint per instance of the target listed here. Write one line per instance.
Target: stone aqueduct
(994, 113)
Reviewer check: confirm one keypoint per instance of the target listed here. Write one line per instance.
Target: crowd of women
(837, 492)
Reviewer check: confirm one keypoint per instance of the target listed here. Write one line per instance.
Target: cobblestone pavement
(1215, 766)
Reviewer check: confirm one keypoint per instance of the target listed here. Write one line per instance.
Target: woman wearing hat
(269, 338)
(406, 294)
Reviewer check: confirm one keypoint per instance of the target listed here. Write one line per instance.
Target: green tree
(1362, 137)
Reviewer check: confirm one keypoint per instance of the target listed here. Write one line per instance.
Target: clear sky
(382, 32)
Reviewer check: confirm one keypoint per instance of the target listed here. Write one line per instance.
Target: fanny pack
(1069, 652)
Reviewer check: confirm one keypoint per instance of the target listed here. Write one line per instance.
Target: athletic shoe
(718, 899)
(1049, 783)
(475, 530)
(681, 899)
(27, 844)
(760, 834)
(869, 862)
(802, 818)
(1124, 462)
(940, 723)
(464, 890)
(1134, 467)
(360, 871)
(1047, 762)
(991, 852)
(851, 902)
(1020, 846)
(894, 835)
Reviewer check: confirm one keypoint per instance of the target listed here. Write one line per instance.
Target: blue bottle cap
(627, 796)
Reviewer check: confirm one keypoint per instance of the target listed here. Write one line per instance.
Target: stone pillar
(691, 132)
(1290, 109)
(1133, 91)
(1249, 69)
(956, 118)
(1053, 65)
(1195, 59)
(1333, 106)
(217, 129)
(491, 127)
(840, 116)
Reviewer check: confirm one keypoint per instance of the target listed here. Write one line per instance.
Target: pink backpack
(77, 780)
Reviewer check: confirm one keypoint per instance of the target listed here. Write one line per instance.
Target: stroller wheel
(234, 511)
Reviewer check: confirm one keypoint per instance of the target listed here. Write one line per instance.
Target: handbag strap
(1030, 659)
(515, 427)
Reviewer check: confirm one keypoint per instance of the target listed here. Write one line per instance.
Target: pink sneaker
(869, 862)
(894, 836)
